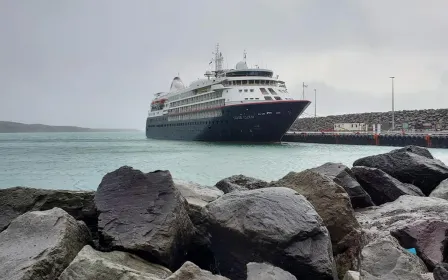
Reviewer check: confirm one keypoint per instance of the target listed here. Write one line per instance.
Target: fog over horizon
(98, 63)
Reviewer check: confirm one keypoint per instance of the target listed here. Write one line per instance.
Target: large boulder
(275, 225)
(266, 271)
(381, 186)
(19, 200)
(441, 191)
(421, 151)
(240, 183)
(333, 205)
(343, 176)
(190, 271)
(392, 216)
(385, 259)
(429, 238)
(40, 245)
(441, 271)
(90, 264)
(144, 214)
(409, 167)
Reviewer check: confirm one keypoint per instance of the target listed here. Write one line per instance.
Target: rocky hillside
(417, 119)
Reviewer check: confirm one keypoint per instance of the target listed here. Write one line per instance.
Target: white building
(350, 127)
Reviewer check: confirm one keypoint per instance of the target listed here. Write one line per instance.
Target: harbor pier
(397, 139)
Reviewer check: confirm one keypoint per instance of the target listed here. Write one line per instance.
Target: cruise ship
(242, 105)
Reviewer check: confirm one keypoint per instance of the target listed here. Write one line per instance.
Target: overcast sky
(98, 63)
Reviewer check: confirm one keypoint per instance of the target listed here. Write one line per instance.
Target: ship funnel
(176, 84)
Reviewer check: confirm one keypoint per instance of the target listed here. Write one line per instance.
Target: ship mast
(218, 59)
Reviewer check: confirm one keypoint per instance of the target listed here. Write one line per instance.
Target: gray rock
(94, 265)
(381, 220)
(429, 238)
(343, 176)
(381, 186)
(144, 214)
(240, 183)
(40, 245)
(197, 197)
(190, 271)
(384, 258)
(333, 205)
(275, 225)
(409, 168)
(19, 200)
(266, 271)
(441, 271)
(441, 191)
(352, 275)
(416, 150)
(428, 276)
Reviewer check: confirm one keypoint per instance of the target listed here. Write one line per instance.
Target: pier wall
(397, 140)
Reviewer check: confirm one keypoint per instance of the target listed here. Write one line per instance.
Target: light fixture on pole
(393, 109)
(303, 90)
(315, 103)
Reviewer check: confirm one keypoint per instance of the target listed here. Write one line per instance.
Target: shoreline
(241, 228)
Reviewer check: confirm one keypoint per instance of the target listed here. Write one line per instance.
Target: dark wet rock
(333, 205)
(240, 183)
(275, 225)
(381, 186)
(19, 200)
(90, 264)
(352, 275)
(40, 245)
(441, 191)
(429, 238)
(441, 271)
(384, 258)
(143, 214)
(190, 271)
(421, 151)
(343, 176)
(409, 168)
(381, 220)
(266, 271)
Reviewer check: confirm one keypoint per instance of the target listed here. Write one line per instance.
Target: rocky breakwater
(414, 118)
(327, 222)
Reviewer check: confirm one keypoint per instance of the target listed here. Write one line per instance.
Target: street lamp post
(393, 109)
(315, 106)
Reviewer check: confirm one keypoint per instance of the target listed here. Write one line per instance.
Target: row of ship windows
(195, 99)
(196, 115)
(187, 123)
(195, 107)
(252, 83)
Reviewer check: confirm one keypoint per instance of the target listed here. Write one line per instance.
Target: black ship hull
(253, 122)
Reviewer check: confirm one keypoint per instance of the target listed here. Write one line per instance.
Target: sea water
(80, 160)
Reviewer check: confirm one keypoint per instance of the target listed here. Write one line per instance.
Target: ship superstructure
(241, 104)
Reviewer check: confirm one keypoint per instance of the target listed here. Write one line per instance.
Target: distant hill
(15, 127)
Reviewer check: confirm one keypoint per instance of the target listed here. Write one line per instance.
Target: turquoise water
(80, 160)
